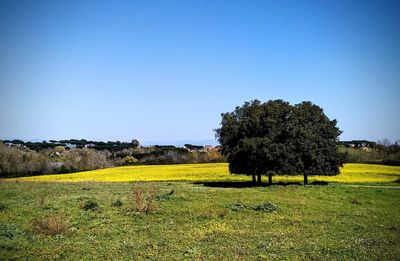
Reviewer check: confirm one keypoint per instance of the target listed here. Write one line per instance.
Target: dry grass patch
(50, 225)
(144, 198)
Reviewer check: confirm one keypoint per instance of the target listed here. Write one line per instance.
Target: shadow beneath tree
(243, 184)
(249, 184)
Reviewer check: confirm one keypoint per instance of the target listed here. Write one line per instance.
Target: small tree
(135, 143)
(276, 138)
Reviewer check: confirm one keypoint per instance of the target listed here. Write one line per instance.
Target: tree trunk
(254, 178)
(305, 179)
(270, 179)
(259, 178)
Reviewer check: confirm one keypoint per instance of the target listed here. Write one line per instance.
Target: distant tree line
(380, 152)
(358, 143)
(18, 158)
(74, 143)
(193, 147)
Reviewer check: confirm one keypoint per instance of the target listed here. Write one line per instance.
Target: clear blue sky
(165, 70)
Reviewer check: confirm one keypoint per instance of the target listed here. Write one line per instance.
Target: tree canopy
(277, 138)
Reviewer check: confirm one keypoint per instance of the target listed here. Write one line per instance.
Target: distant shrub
(117, 203)
(144, 198)
(128, 160)
(2, 206)
(163, 197)
(237, 206)
(397, 180)
(191, 253)
(9, 231)
(50, 225)
(89, 205)
(267, 207)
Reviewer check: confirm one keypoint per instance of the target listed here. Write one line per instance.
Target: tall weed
(144, 198)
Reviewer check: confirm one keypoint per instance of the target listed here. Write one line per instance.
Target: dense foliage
(276, 138)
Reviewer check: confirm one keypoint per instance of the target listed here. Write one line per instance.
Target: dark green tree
(276, 138)
(314, 140)
(135, 143)
(193, 147)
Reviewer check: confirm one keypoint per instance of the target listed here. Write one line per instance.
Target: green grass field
(47, 220)
(350, 173)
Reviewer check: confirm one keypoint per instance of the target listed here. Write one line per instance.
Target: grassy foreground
(203, 217)
(47, 221)
(350, 173)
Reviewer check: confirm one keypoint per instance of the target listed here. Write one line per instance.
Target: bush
(237, 206)
(9, 231)
(267, 207)
(89, 205)
(128, 160)
(50, 225)
(165, 196)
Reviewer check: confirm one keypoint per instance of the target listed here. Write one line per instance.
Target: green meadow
(150, 217)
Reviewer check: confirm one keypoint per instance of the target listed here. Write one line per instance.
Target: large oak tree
(277, 138)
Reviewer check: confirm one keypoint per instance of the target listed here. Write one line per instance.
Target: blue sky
(164, 70)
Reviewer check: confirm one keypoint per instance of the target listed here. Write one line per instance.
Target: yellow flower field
(350, 173)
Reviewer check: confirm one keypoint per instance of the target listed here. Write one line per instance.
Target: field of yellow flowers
(350, 173)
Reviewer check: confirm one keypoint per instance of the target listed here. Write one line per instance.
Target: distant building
(193, 148)
(70, 145)
(358, 144)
